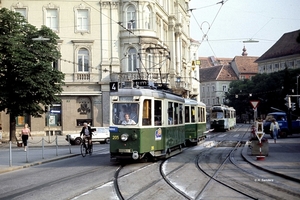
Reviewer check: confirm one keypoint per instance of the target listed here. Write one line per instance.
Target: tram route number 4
(114, 86)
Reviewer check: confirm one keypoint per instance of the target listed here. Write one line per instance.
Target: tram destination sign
(143, 83)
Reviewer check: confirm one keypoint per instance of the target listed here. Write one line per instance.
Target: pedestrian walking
(25, 134)
(274, 127)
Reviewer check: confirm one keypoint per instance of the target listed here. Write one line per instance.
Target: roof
(212, 61)
(217, 73)
(246, 64)
(287, 45)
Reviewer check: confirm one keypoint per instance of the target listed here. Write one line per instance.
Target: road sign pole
(259, 134)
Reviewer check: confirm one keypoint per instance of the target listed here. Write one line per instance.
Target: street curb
(246, 157)
(13, 168)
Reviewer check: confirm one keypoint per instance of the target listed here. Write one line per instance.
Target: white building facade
(105, 41)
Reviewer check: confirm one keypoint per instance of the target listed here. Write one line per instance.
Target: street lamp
(250, 41)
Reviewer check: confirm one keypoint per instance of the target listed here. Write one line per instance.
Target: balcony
(82, 77)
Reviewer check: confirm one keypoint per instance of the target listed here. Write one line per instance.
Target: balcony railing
(82, 77)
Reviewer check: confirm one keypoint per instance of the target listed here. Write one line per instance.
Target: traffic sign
(254, 104)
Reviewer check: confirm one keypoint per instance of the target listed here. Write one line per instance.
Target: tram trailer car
(222, 118)
(159, 129)
(195, 121)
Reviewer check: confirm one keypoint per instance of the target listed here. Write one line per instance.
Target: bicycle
(84, 147)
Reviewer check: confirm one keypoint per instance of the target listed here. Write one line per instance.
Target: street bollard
(56, 146)
(27, 152)
(10, 155)
(43, 148)
(69, 144)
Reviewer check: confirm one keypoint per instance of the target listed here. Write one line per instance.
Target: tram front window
(217, 115)
(125, 113)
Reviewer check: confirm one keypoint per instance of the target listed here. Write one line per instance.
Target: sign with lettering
(114, 86)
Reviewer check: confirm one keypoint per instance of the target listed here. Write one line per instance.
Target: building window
(54, 115)
(147, 17)
(83, 60)
(149, 60)
(82, 19)
(22, 11)
(22, 120)
(132, 60)
(131, 19)
(52, 19)
(224, 88)
(291, 64)
(55, 65)
(276, 67)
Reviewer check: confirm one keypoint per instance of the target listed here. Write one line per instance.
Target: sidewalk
(40, 150)
(283, 158)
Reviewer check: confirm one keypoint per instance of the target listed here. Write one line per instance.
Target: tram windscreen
(217, 114)
(120, 110)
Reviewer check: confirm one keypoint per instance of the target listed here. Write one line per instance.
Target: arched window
(130, 18)
(132, 59)
(147, 17)
(83, 60)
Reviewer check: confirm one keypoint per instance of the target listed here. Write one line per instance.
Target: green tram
(156, 124)
(195, 121)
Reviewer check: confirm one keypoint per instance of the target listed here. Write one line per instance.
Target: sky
(222, 29)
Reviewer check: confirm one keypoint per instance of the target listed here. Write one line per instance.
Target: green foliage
(269, 89)
(28, 81)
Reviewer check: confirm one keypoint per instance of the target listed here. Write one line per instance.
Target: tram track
(164, 173)
(214, 175)
(179, 178)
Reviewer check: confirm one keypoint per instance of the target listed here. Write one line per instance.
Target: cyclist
(87, 134)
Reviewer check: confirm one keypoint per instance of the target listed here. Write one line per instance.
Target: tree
(28, 81)
(269, 89)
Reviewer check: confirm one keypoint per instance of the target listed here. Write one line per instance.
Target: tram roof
(161, 94)
(194, 102)
(222, 107)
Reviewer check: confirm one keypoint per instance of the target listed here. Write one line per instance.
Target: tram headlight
(124, 137)
(134, 136)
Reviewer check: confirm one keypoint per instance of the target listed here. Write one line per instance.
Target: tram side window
(199, 114)
(203, 114)
(176, 113)
(180, 114)
(157, 113)
(193, 114)
(227, 114)
(147, 112)
(187, 114)
(170, 113)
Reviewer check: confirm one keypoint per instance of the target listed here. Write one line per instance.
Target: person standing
(25, 133)
(274, 127)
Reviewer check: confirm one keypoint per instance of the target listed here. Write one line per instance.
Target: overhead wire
(205, 34)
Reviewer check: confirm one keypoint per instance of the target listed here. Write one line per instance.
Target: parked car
(100, 134)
